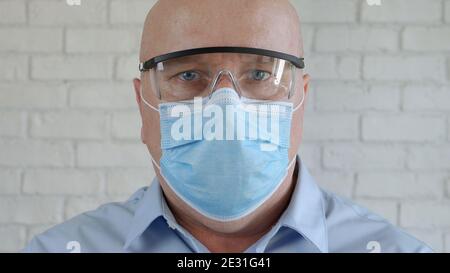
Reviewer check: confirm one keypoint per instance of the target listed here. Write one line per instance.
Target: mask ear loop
(157, 110)
(156, 164)
(291, 163)
(145, 102)
(292, 87)
(301, 102)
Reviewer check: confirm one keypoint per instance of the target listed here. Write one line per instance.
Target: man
(219, 188)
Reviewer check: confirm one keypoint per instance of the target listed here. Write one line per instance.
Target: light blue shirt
(314, 221)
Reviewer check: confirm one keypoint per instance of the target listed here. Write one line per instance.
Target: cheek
(151, 133)
(296, 132)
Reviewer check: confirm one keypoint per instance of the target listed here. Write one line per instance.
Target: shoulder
(100, 230)
(353, 228)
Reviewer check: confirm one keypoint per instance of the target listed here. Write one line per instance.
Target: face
(174, 25)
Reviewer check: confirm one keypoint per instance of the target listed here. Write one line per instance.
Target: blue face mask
(225, 155)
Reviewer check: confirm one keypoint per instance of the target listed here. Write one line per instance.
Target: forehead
(173, 27)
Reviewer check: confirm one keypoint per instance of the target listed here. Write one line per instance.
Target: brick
(425, 214)
(426, 97)
(126, 125)
(32, 40)
(342, 97)
(35, 153)
(61, 182)
(340, 183)
(73, 124)
(403, 127)
(13, 68)
(12, 12)
(325, 67)
(308, 38)
(130, 12)
(10, 181)
(30, 210)
(399, 185)
(426, 39)
(331, 127)
(12, 124)
(92, 12)
(403, 11)
(322, 67)
(127, 68)
(313, 11)
(434, 177)
(432, 157)
(384, 208)
(112, 155)
(72, 67)
(32, 96)
(126, 182)
(78, 205)
(363, 157)
(102, 40)
(404, 68)
(348, 68)
(103, 96)
(358, 39)
(12, 238)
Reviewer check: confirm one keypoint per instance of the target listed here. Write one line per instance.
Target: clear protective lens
(254, 76)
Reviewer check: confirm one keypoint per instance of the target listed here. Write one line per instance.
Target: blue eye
(259, 75)
(188, 76)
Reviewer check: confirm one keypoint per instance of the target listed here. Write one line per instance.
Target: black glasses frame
(145, 66)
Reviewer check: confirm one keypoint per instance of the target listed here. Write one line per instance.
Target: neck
(262, 221)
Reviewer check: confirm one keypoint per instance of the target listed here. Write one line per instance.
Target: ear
(306, 79)
(137, 90)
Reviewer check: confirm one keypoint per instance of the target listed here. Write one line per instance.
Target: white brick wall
(377, 125)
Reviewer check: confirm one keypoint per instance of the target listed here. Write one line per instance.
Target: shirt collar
(305, 213)
(148, 210)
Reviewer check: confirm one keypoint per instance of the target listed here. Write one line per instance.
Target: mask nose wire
(217, 78)
(236, 86)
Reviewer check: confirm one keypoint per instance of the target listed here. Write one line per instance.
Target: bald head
(174, 25)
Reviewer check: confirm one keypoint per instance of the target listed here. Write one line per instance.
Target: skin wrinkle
(173, 25)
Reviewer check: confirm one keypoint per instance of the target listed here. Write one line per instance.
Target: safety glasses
(254, 73)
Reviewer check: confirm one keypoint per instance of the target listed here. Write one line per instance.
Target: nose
(225, 79)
